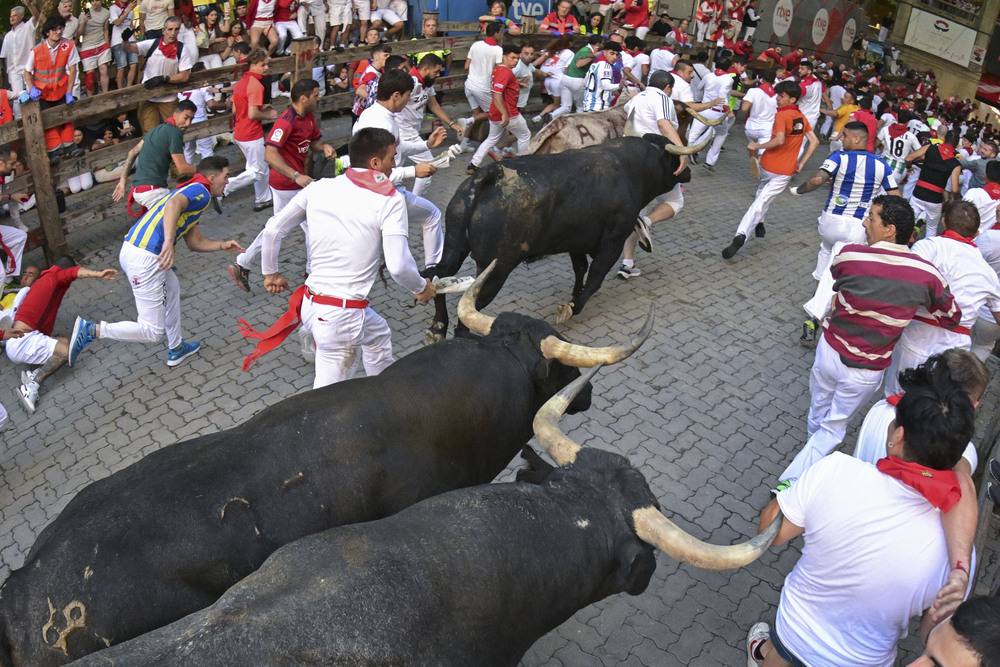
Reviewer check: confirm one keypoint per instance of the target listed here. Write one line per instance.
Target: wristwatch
(295, 175)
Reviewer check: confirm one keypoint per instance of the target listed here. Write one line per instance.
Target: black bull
(169, 534)
(584, 202)
(470, 577)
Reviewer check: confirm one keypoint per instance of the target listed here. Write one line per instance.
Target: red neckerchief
(491, 41)
(198, 178)
(896, 130)
(790, 107)
(894, 399)
(993, 190)
(809, 80)
(947, 151)
(372, 180)
(681, 37)
(170, 121)
(120, 4)
(169, 50)
(768, 89)
(256, 76)
(720, 72)
(416, 74)
(939, 487)
(955, 236)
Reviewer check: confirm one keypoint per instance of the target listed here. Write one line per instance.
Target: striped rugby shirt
(858, 176)
(147, 232)
(879, 289)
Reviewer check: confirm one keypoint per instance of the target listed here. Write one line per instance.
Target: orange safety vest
(6, 113)
(52, 78)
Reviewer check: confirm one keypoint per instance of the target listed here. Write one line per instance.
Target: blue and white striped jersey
(858, 176)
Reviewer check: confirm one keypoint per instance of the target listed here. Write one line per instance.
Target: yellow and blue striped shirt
(147, 233)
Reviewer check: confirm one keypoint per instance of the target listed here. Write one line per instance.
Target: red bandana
(894, 399)
(491, 41)
(414, 73)
(369, 179)
(955, 236)
(168, 50)
(767, 88)
(993, 190)
(947, 151)
(896, 130)
(199, 178)
(939, 487)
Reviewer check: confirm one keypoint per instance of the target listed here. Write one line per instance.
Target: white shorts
(93, 62)
(757, 134)
(363, 8)
(552, 85)
(32, 348)
(675, 197)
(262, 24)
(479, 98)
(386, 16)
(341, 14)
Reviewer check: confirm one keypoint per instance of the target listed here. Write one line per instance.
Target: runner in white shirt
(599, 86)
(986, 332)
(483, 57)
(17, 45)
(345, 245)
(394, 89)
(662, 60)
(206, 145)
(986, 198)
(760, 104)
(718, 85)
(897, 142)
(836, 97)
(553, 67)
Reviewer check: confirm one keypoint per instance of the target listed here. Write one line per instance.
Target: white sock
(628, 262)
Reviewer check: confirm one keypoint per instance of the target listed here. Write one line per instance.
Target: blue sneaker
(182, 352)
(84, 333)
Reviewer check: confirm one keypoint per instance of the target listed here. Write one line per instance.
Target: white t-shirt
(681, 92)
(265, 9)
(837, 94)
(895, 150)
(763, 108)
(159, 65)
(412, 116)
(661, 59)
(524, 72)
(634, 65)
(810, 102)
(558, 63)
(200, 97)
(717, 85)
(874, 557)
(378, 116)
(986, 205)
(93, 31)
(483, 58)
(17, 45)
(114, 12)
(698, 82)
(157, 12)
(344, 243)
(647, 109)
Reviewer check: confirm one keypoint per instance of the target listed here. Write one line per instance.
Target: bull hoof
(435, 333)
(564, 313)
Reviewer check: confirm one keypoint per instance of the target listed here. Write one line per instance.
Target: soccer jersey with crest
(292, 135)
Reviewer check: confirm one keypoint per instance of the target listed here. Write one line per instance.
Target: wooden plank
(45, 198)
(10, 132)
(459, 26)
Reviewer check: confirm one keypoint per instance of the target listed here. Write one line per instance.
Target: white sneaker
(28, 395)
(627, 272)
(27, 377)
(308, 344)
(758, 634)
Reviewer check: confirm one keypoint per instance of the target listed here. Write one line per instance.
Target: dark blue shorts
(785, 654)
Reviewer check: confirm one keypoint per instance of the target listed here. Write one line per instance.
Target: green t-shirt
(152, 167)
(579, 72)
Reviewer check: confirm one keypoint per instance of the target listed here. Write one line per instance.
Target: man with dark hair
(167, 61)
(249, 112)
(147, 257)
(394, 90)
(599, 85)
(759, 107)
(986, 198)
(718, 85)
(972, 281)
(504, 113)
(162, 147)
(49, 75)
(35, 318)
(940, 166)
(811, 92)
(873, 302)
(970, 638)
(571, 89)
(365, 82)
(483, 57)
(779, 162)
(344, 248)
(857, 518)
(294, 135)
(977, 168)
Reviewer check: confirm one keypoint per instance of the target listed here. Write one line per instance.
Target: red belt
(96, 51)
(929, 186)
(131, 199)
(324, 300)
(722, 109)
(934, 323)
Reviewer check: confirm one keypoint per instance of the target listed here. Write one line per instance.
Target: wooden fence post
(45, 194)
(303, 50)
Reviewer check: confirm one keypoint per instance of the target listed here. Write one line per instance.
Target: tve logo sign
(782, 20)
(850, 32)
(520, 8)
(820, 25)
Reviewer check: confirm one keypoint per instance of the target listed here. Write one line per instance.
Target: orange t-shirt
(784, 159)
(247, 92)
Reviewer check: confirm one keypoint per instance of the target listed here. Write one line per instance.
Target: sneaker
(6, 321)
(759, 230)
(307, 343)
(28, 395)
(693, 158)
(781, 486)
(730, 250)
(262, 206)
(808, 337)
(466, 147)
(27, 377)
(642, 225)
(758, 634)
(627, 272)
(216, 205)
(241, 276)
(182, 352)
(471, 169)
(535, 120)
(709, 167)
(993, 491)
(84, 333)
(496, 157)
(754, 167)
(995, 470)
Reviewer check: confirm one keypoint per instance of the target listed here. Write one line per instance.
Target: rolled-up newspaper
(444, 159)
(451, 284)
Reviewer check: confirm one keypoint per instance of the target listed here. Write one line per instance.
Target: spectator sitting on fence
(498, 13)
(83, 180)
(391, 13)
(167, 60)
(340, 82)
(210, 35)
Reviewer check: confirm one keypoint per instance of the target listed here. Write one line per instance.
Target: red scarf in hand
(939, 487)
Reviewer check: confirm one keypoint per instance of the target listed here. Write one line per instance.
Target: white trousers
(408, 134)
(758, 135)
(701, 28)
(923, 210)
(15, 239)
(422, 212)
(517, 126)
(256, 171)
(150, 198)
(16, 79)
(985, 333)
(286, 28)
(157, 300)
(834, 228)
(571, 91)
(339, 333)
(837, 392)
(770, 187)
(206, 148)
(919, 342)
(280, 199)
(698, 131)
(478, 99)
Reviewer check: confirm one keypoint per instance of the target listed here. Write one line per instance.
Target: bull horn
(690, 150)
(477, 322)
(581, 356)
(658, 531)
(699, 117)
(559, 446)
